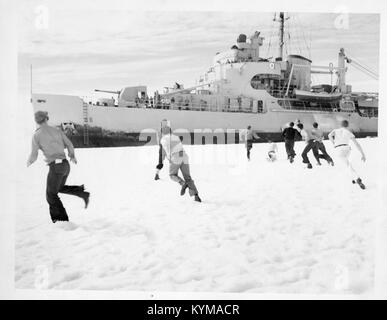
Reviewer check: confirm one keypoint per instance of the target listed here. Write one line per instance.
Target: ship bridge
(244, 50)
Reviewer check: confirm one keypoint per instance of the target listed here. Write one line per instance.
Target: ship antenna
(281, 33)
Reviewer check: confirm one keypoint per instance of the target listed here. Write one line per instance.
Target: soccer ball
(271, 157)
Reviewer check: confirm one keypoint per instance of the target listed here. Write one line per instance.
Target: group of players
(340, 138)
(52, 142)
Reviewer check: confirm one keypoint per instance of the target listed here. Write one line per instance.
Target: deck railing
(247, 107)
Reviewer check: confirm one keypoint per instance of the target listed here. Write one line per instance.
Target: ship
(240, 89)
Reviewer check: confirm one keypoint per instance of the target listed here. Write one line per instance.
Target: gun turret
(108, 91)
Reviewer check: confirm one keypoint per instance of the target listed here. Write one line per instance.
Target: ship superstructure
(240, 88)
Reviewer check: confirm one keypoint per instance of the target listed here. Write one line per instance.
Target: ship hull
(133, 139)
(97, 126)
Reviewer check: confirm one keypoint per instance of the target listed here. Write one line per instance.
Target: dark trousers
(324, 154)
(310, 145)
(289, 146)
(249, 146)
(56, 183)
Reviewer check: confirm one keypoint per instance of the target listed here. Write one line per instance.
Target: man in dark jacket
(290, 135)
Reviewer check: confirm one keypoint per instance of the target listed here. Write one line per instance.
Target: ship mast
(281, 42)
(281, 35)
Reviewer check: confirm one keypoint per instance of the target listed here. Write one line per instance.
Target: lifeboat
(317, 96)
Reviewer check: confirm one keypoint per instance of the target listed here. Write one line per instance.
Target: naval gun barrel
(107, 91)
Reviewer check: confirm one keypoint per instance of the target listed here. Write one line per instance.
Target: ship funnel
(301, 71)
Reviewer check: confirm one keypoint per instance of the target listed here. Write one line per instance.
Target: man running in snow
(160, 165)
(319, 145)
(310, 145)
(249, 136)
(290, 135)
(340, 139)
(52, 142)
(172, 149)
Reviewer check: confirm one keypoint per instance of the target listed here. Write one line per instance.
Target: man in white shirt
(341, 138)
(172, 149)
(249, 136)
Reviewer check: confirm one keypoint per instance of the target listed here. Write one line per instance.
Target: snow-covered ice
(262, 226)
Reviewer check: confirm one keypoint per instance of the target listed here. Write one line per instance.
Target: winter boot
(86, 198)
(60, 220)
(360, 183)
(197, 199)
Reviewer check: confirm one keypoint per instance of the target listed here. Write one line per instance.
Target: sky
(96, 46)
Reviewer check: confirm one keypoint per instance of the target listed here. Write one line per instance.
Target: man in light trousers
(341, 139)
(178, 160)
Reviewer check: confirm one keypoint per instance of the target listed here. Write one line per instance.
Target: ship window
(296, 104)
(284, 103)
(256, 82)
(260, 106)
(262, 81)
